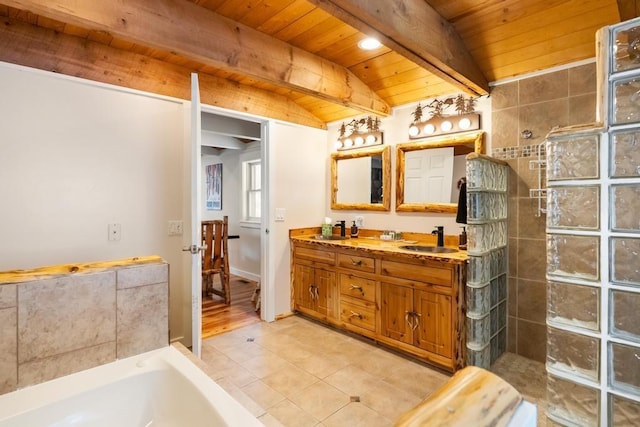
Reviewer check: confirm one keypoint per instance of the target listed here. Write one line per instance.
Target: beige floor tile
(415, 378)
(289, 353)
(225, 341)
(290, 415)
(290, 381)
(244, 351)
(356, 415)
(321, 364)
(262, 394)
(320, 400)
(265, 364)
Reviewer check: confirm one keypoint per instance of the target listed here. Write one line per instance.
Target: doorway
(229, 145)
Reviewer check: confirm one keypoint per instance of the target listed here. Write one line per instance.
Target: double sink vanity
(406, 294)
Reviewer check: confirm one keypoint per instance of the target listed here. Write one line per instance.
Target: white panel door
(428, 175)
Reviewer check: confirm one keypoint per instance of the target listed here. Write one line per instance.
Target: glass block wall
(593, 251)
(486, 293)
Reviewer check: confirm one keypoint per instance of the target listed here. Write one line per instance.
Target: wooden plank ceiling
(298, 60)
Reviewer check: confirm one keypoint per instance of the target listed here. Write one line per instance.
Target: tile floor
(295, 372)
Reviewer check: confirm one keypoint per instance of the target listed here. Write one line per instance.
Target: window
(251, 186)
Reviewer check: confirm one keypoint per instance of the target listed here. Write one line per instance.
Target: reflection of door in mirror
(427, 172)
(427, 175)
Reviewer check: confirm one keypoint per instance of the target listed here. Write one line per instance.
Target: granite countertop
(17, 276)
(377, 246)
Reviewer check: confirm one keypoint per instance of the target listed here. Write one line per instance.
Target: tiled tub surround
(58, 320)
(486, 290)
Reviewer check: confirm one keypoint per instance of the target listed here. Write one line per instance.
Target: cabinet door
(434, 322)
(395, 308)
(304, 278)
(324, 282)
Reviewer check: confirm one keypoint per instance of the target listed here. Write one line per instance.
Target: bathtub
(159, 388)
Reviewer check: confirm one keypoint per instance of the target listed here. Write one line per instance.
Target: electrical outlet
(360, 221)
(174, 228)
(115, 232)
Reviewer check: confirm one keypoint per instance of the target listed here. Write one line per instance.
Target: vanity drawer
(315, 254)
(357, 287)
(360, 315)
(419, 272)
(357, 262)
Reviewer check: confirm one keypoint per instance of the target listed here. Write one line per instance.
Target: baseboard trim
(245, 274)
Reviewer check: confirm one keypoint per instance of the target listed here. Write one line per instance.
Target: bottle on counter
(462, 239)
(354, 230)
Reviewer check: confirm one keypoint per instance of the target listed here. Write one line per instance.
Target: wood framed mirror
(427, 172)
(361, 179)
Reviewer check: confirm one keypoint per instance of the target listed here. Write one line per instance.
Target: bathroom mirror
(428, 171)
(361, 179)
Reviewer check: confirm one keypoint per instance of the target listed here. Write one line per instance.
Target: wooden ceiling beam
(186, 29)
(628, 9)
(416, 31)
(46, 49)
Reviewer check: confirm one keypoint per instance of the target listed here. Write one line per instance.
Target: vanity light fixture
(439, 123)
(359, 133)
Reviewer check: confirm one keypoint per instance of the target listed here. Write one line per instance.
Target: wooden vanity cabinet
(411, 303)
(416, 317)
(314, 282)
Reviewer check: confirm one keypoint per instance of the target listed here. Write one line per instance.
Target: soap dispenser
(462, 239)
(354, 230)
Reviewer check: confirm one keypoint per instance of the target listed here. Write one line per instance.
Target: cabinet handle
(311, 288)
(354, 314)
(408, 317)
(416, 316)
(317, 291)
(354, 287)
(358, 262)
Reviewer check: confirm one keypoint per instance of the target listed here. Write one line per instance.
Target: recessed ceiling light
(369, 44)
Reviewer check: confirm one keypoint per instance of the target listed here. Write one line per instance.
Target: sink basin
(321, 237)
(432, 249)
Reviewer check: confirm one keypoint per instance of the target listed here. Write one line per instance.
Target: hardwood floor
(218, 317)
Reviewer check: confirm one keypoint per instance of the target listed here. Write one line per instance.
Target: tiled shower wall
(536, 104)
(55, 326)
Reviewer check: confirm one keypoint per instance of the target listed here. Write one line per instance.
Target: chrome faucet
(341, 224)
(440, 232)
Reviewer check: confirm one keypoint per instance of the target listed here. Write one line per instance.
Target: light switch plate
(115, 232)
(174, 228)
(359, 221)
(280, 213)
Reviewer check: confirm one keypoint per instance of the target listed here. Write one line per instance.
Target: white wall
(298, 181)
(75, 156)
(395, 128)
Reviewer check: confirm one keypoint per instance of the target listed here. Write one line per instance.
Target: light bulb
(464, 123)
(429, 129)
(369, 44)
(371, 139)
(446, 126)
(359, 140)
(337, 145)
(413, 130)
(348, 143)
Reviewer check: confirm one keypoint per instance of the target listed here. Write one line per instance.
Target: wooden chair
(215, 259)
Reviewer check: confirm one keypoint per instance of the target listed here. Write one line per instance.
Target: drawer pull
(354, 314)
(356, 287)
(357, 263)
